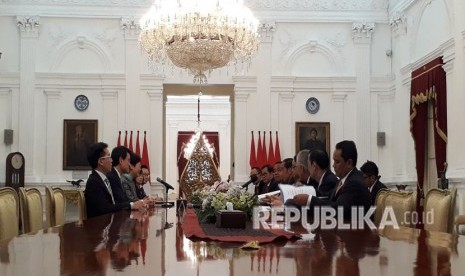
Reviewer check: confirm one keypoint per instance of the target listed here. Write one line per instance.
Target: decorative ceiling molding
(401, 7)
(282, 84)
(105, 3)
(313, 5)
(253, 4)
(313, 46)
(362, 32)
(81, 42)
(28, 25)
(398, 24)
(130, 26)
(264, 10)
(266, 31)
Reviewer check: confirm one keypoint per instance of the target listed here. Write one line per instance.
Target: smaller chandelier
(199, 35)
(189, 149)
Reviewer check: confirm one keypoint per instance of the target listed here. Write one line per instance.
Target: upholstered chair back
(439, 210)
(55, 206)
(380, 205)
(31, 209)
(9, 213)
(403, 204)
(82, 206)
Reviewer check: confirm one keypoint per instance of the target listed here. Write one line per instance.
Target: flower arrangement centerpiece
(214, 198)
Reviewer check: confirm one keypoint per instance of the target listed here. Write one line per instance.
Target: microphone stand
(166, 204)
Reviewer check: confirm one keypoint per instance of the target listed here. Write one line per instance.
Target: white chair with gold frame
(55, 206)
(440, 204)
(9, 213)
(379, 203)
(459, 220)
(82, 206)
(31, 209)
(402, 204)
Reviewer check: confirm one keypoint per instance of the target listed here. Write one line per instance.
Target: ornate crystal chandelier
(199, 35)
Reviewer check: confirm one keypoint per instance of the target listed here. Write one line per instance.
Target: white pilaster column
(263, 60)
(225, 149)
(155, 134)
(109, 123)
(131, 29)
(53, 125)
(241, 137)
(29, 33)
(362, 34)
(338, 126)
(5, 123)
(286, 125)
(385, 104)
(243, 88)
(402, 129)
(172, 176)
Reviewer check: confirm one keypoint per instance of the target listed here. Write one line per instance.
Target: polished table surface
(153, 243)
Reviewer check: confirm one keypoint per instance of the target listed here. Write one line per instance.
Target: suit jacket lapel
(102, 184)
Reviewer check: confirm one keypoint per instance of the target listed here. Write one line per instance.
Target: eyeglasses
(105, 157)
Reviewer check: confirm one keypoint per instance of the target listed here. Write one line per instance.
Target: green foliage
(212, 201)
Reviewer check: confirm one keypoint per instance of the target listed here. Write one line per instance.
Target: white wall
(334, 51)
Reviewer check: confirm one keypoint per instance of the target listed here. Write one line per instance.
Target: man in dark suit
(300, 169)
(283, 172)
(318, 167)
(350, 190)
(98, 194)
(267, 184)
(371, 179)
(121, 158)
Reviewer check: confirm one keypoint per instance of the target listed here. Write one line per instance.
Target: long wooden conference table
(153, 243)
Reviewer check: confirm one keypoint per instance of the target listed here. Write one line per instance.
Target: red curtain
(185, 136)
(428, 86)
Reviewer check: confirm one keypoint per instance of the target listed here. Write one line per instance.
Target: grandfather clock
(15, 170)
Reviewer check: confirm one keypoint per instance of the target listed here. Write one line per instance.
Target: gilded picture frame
(312, 135)
(78, 136)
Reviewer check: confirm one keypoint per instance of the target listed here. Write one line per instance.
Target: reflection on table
(153, 243)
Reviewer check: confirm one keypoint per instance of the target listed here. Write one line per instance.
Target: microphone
(246, 184)
(167, 186)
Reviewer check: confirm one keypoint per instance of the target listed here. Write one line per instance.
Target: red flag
(119, 139)
(253, 156)
(265, 158)
(271, 159)
(260, 161)
(145, 153)
(130, 142)
(126, 139)
(277, 150)
(137, 144)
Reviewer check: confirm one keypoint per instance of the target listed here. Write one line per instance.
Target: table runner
(192, 229)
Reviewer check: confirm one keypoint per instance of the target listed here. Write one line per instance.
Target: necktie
(339, 186)
(107, 183)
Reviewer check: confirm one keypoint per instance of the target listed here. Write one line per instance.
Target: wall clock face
(17, 161)
(312, 105)
(81, 102)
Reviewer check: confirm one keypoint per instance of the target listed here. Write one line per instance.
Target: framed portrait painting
(78, 136)
(312, 136)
